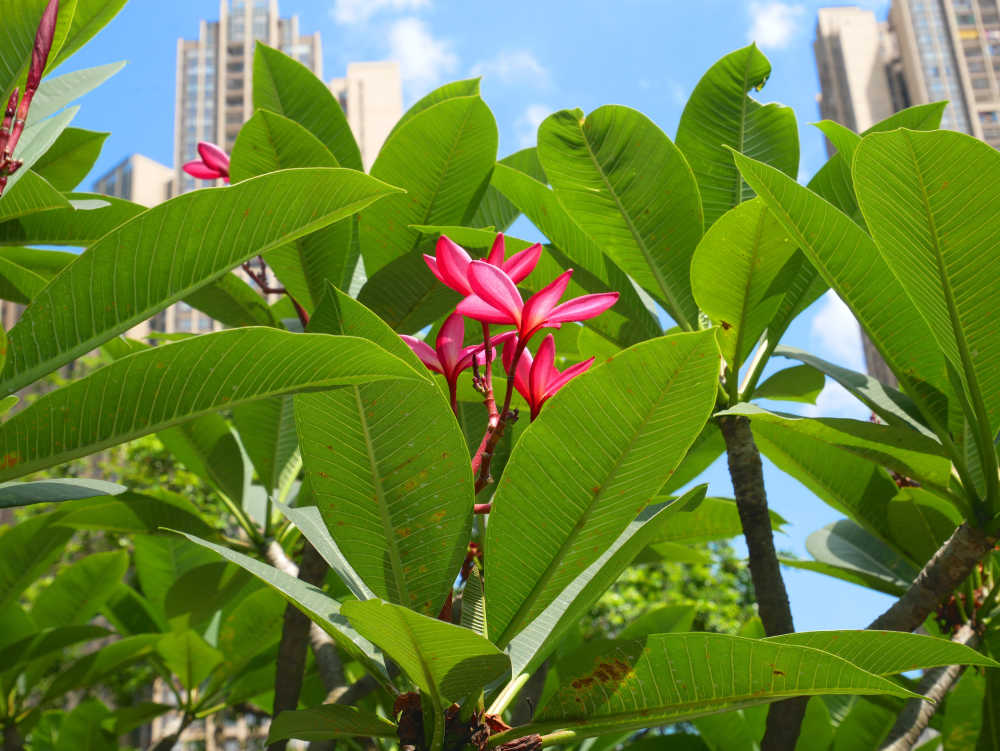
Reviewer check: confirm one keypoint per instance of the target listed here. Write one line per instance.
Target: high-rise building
(139, 179)
(371, 95)
(927, 51)
(214, 87)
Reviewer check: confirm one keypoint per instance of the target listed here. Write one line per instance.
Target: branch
(935, 685)
(292, 648)
(784, 719)
(946, 569)
(12, 739)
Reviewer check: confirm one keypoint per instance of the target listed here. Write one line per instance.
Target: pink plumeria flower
(451, 263)
(537, 380)
(495, 299)
(449, 357)
(214, 163)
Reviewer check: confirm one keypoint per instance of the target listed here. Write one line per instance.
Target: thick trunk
(784, 719)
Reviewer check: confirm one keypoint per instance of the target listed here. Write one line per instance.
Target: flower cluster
(490, 296)
(214, 163)
(17, 106)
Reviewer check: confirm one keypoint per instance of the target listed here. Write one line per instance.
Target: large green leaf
(445, 661)
(267, 431)
(801, 383)
(989, 736)
(892, 587)
(323, 610)
(329, 721)
(389, 470)
(733, 273)
(452, 90)
(86, 728)
(720, 113)
(612, 171)
(888, 652)
(847, 545)
(37, 140)
(534, 643)
(32, 194)
(188, 656)
(89, 18)
(65, 226)
(443, 158)
(71, 157)
(904, 450)
(134, 513)
(54, 491)
(629, 321)
(712, 519)
(598, 453)
(147, 391)
(55, 93)
(27, 549)
(849, 261)
(93, 667)
(157, 259)
(672, 677)
(497, 211)
(921, 522)
(284, 85)
(917, 193)
(207, 447)
(707, 447)
(159, 562)
(46, 642)
(269, 142)
(79, 590)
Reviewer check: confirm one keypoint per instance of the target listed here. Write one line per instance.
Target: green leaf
(27, 550)
(95, 666)
(939, 257)
(323, 610)
(712, 519)
(666, 619)
(989, 736)
(207, 447)
(55, 93)
(406, 295)
(454, 90)
(849, 261)
(629, 321)
(46, 642)
(964, 716)
(628, 424)
(719, 114)
(63, 226)
(267, 432)
(253, 626)
(83, 729)
(185, 604)
(156, 259)
(854, 576)
(188, 656)
(672, 677)
(817, 727)
(611, 170)
(443, 158)
(894, 407)
(733, 274)
(127, 719)
(38, 139)
(159, 562)
(80, 589)
(388, 467)
(534, 643)
(904, 450)
(445, 661)
(495, 210)
(707, 447)
(269, 142)
(55, 491)
(134, 513)
(18, 284)
(284, 85)
(32, 194)
(920, 522)
(801, 383)
(90, 17)
(145, 392)
(848, 545)
(232, 302)
(888, 652)
(329, 721)
(71, 157)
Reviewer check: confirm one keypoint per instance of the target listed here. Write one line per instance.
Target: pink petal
(568, 375)
(432, 264)
(519, 265)
(497, 252)
(496, 288)
(423, 350)
(541, 304)
(449, 342)
(582, 308)
(522, 376)
(214, 157)
(543, 370)
(508, 351)
(478, 309)
(201, 171)
(453, 263)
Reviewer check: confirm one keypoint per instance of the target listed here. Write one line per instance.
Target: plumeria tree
(437, 445)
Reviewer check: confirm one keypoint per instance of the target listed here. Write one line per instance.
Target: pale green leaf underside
(329, 721)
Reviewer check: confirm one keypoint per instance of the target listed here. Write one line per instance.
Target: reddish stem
(490, 401)
(484, 454)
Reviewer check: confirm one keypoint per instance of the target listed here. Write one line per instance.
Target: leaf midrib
(674, 307)
(745, 307)
(517, 622)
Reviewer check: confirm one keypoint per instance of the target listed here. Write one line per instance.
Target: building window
(234, 66)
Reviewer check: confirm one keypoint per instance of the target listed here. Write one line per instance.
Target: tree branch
(935, 685)
(946, 569)
(784, 718)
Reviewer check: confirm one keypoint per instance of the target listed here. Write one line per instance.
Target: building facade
(139, 179)
(371, 95)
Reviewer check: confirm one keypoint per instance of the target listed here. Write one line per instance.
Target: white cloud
(423, 60)
(773, 24)
(515, 66)
(360, 11)
(835, 333)
(836, 401)
(527, 124)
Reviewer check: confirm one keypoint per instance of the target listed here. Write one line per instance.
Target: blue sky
(536, 57)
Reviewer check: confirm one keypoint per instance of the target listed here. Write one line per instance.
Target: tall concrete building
(139, 179)
(214, 87)
(371, 95)
(927, 51)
